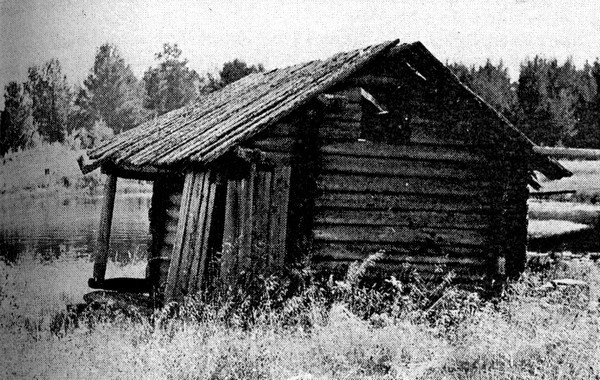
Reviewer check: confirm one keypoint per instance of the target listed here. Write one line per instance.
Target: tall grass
(333, 330)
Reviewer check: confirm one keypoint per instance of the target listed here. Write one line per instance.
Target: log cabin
(380, 149)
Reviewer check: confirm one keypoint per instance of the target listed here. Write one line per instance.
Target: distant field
(585, 180)
(53, 167)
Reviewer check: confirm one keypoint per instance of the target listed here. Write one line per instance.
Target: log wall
(435, 194)
(164, 217)
(427, 211)
(432, 196)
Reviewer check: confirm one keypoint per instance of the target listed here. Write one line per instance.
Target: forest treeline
(553, 104)
(47, 108)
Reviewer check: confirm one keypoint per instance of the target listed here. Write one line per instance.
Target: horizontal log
(397, 257)
(419, 121)
(402, 167)
(170, 237)
(165, 250)
(335, 102)
(171, 225)
(341, 124)
(374, 234)
(363, 250)
(173, 212)
(274, 144)
(402, 218)
(420, 138)
(141, 173)
(569, 153)
(175, 199)
(338, 133)
(413, 152)
(345, 115)
(281, 129)
(403, 202)
(400, 185)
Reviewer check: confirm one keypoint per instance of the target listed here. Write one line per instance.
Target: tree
(171, 84)
(81, 115)
(588, 112)
(553, 100)
(231, 72)
(16, 123)
(490, 82)
(236, 69)
(51, 99)
(114, 94)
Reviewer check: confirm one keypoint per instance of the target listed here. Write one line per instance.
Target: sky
(277, 33)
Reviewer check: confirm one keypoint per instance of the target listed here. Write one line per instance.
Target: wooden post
(110, 188)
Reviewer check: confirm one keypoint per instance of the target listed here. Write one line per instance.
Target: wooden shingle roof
(202, 132)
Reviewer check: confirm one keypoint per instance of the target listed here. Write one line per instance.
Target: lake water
(53, 226)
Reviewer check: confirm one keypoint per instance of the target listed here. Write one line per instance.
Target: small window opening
(380, 124)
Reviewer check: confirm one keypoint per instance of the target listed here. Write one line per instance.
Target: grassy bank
(329, 331)
(53, 167)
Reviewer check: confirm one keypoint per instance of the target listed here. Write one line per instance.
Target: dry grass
(530, 334)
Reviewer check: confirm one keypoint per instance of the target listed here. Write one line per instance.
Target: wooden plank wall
(254, 232)
(190, 255)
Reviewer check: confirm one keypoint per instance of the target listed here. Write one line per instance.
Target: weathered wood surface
(401, 167)
(274, 144)
(190, 250)
(102, 251)
(374, 234)
(403, 202)
(416, 219)
(409, 152)
(173, 289)
(401, 185)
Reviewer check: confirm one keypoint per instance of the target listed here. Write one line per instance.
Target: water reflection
(53, 226)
